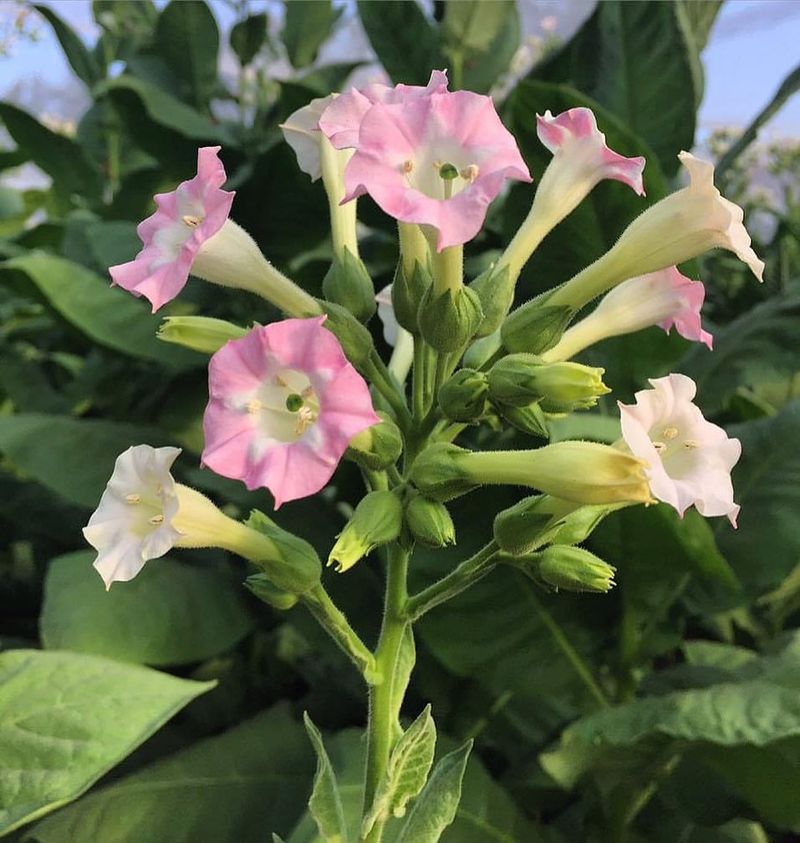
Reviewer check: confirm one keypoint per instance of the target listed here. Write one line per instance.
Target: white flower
(301, 131)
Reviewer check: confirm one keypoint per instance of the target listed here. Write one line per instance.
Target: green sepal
(463, 397)
(436, 473)
(377, 520)
(563, 567)
(535, 327)
(429, 522)
(295, 565)
(356, 340)
(347, 283)
(262, 587)
(407, 293)
(449, 321)
(496, 293)
(378, 446)
(530, 419)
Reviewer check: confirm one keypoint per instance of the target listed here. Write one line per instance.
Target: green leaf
(61, 158)
(325, 803)
(405, 42)
(150, 620)
(80, 59)
(188, 39)
(54, 450)
(760, 344)
(65, 719)
(474, 24)
(247, 37)
(237, 786)
(766, 482)
(700, 17)
(107, 315)
(306, 27)
(407, 772)
(633, 58)
(435, 809)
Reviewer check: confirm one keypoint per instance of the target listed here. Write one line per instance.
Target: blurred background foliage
(668, 710)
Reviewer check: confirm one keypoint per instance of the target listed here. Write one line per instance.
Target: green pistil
(294, 402)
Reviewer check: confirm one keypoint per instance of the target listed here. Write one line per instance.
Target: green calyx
(463, 397)
(378, 446)
(355, 339)
(377, 520)
(495, 290)
(437, 474)
(430, 522)
(450, 320)
(570, 569)
(408, 291)
(348, 284)
(535, 327)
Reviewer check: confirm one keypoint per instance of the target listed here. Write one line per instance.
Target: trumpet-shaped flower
(436, 160)
(301, 131)
(284, 403)
(689, 459)
(173, 236)
(341, 120)
(665, 298)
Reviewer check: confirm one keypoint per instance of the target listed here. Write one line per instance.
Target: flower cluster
(287, 401)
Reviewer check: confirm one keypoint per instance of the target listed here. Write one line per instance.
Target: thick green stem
(461, 578)
(384, 702)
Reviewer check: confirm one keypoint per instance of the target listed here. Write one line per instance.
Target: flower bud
(530, 419)
(270, 594)
(542, 519)
(449, 320)
(408, 290)
(430, 522)
(463, 397)
(355, 339)
(535, 327)
(571, 568)
(289, 563)
(436, 472)
(378, 446)
(495, 290)
(519, 379)
(348, 284)
(377, 520)
(200, 333)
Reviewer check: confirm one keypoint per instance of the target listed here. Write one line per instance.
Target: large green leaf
(238, 786)
(151, 620)
(248, 36)
(61, 158)
(65, 719)
(634, 58)
(406, 43)
(72, 457)
(81, 60)
(307, 25)
(325, 803)
(188, 39)
(107, 315)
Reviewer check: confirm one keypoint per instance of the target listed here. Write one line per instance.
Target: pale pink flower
(284, 404)
(437, 160)
(301, 131)
(665, 298)
(689, 459)
(341, 119)
(185, 220)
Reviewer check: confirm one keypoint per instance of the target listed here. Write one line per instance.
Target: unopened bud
(530, 419)
(267, 592)
(449, 320)
(289, 562)
(430, 522)
(200, 333)
(348, 284)
(436, 472)
(571, 569)
(377, 520)
(355, 339)
(496, 293)
(408, 291)
(463, 397)
(535, 327)
(378, 446)
(519, 379)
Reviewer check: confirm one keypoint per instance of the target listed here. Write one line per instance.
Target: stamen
(305, 418)
(659, 446)
(133, 498)
(470, 173)
(191, 221)
(408, 166)
(156, 519)
(308, 392)
(253, 406)
(670, 432)
(279, 381)
(691, 444)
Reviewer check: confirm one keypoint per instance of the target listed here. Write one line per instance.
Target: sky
(754, 44)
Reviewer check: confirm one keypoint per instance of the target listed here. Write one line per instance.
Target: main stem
(384, 699)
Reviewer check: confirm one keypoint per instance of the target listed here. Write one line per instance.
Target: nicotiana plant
(289, 400)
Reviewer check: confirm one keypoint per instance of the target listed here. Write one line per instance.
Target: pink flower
(436, 160)
(689, 459)
(665, 298)
(185, 220)
(341, 120)
(284, 404)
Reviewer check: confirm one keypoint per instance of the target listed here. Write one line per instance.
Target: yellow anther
(691, 444)
(470, 173)
(156, 519)
(305, 418)
(191, 221)
(408, 166)
(133, 498)
(253, 406)
(670, 432)
(279, 381)
(308, 392)
(659, 446)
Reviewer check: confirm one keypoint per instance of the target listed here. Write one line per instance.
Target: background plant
(652, 684)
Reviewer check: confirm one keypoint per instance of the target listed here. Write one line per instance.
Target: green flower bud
(519, 379)
(437, 474)
(348, 283)
(289, 563)
(408, 292)
(378, 446)
(535, 326)
(449, 321)
(530, 419)
(430, 522)
(463, 397)
(571, 568)
(496, 293)
(356, 340)
(262, 588)
(542, 519)
(377, 520)
(199, 333)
